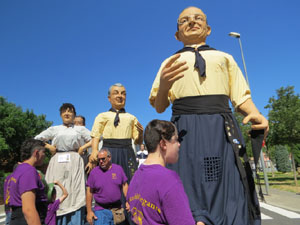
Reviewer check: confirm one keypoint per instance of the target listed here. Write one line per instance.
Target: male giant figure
(117, 129)
(200, 81)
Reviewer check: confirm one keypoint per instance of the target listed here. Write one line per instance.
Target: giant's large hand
(259, 122)
(89, 167)
(93, 157)
(172, 72)
(140, 128)
(251, 113)
(51, 148)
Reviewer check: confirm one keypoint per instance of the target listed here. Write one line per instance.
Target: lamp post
(238, 36)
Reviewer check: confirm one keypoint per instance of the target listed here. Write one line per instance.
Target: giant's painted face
(67, 116)
(117, 97)
(192, 26)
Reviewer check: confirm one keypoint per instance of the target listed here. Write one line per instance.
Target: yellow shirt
(223, 76)
(104, 125)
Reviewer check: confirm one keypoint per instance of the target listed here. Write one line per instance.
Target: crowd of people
(205, 183)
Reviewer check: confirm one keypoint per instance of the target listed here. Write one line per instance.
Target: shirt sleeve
(98, 126)
(28, 182)
(176, 208)
(46, 135)
(124, 178)
(239, 89)
(86, 134)
(54, 207)
(155, 86)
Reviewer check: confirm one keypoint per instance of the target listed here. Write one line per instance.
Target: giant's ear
(208, 30)
(177, 36)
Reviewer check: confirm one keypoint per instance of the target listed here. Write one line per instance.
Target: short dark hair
(66, 106)
(83, 119)
(157, 130)
(28, 147)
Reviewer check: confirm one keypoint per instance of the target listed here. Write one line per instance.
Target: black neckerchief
(199, 61)
(117, 118)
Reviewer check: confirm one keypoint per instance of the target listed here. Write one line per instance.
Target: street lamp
(238, 36)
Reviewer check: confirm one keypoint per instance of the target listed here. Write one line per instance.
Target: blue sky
(56, 51)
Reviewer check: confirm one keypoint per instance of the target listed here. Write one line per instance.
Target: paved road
(271, 215)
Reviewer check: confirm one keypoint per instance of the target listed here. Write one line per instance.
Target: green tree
(284, 120)
(281, 155)
(15, 127)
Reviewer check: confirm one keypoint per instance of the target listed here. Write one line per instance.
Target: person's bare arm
(251, 113)
(84, 147)
(65, 192)
(90, 214)
(170, 73)
(28, 208)
(125, 190)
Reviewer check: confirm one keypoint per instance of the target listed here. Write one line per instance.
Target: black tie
(117, 118)
(199, 61)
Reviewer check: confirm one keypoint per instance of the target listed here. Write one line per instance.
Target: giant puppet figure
(117, 128)
(199, 81)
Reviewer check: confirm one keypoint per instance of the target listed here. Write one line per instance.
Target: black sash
(117, 143)
(206, 104)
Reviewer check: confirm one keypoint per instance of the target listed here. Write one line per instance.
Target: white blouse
(66, 138)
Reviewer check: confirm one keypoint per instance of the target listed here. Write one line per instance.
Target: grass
(282, 181)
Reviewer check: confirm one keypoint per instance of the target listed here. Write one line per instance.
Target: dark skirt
(208, 171)
(122, 154)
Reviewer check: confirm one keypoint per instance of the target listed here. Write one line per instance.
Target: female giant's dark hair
(66, 106)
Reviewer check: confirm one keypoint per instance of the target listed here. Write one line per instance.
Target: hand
(171, 72)
(140, 128)
(90, 217)
(93, 157)
(200, 223)
(81, 150)
(259, 122)
(89, 167)
(127, 206)
(52, 148)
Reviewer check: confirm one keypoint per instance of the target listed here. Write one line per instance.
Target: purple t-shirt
(106, 186)
(25, 178)
(156, 196)
(51, 213)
